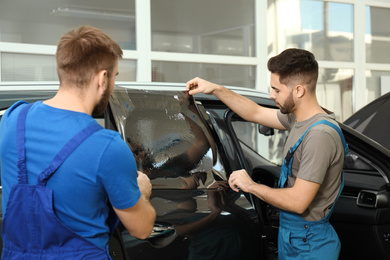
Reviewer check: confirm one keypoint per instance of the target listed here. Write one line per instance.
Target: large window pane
(378, 84)
(28, 67)
(377, 34)
(334, 91)
(32, 67)
(231, 75)
(324, 28)
(203, 26)
(45, 21)
(127, 70)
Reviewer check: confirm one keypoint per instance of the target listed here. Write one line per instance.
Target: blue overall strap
(287, 162)
(20, 139)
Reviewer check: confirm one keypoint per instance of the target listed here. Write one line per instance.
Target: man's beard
(101, 107)
(288, 105)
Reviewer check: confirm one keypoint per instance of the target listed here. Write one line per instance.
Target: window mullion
(143, 48)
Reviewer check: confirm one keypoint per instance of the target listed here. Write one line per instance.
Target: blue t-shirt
(102, 167)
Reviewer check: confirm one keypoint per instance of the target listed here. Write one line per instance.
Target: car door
(188, 161)
(362, 214)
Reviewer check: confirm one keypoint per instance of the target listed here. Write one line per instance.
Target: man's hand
(295, 199)
(198, 85)
(139, 219)
(216, 196)
(144, 185)
(240, 180)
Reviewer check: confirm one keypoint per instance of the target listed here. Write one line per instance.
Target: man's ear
(102, 79)
(300, 90)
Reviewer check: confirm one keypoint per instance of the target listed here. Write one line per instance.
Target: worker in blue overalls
(311, 177)
(65, 179)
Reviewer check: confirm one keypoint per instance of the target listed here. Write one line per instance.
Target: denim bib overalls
(302, 239)
(31, 230)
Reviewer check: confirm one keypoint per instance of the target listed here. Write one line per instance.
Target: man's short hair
(295, 66)
(81, 54)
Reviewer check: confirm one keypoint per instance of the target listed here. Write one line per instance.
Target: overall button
(306, 226)
(304, 240)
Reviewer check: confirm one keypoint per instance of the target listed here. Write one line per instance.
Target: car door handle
(162, 235)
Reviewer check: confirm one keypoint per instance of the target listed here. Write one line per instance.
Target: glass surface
(168, 137)
(206, 27)
(354, 161)
(377, 84)
(127, 70)
(228, 75)
(34, 67)
(28, 67)
(335, 91)
(268, 146)
(377, 34)
(44, 22)
(324, 28)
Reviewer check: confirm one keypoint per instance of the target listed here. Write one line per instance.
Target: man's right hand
(198, 85)
(144, 185)
(139, 219)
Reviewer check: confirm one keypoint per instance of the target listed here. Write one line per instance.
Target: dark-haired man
(311, 176)
(61, 171)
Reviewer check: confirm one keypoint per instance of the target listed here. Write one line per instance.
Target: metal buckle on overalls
(289, 155)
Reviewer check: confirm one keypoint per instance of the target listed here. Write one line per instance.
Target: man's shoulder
(14, 108)
(110, 139)
(110, 134)
(322, 120)
(287, 120)
(328, 123)
(326, 131)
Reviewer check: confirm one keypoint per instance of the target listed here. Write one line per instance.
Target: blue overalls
(31, 230)
(302, 239)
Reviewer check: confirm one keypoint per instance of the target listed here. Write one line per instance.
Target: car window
(169, 140)
(269, 144)
(354, 161)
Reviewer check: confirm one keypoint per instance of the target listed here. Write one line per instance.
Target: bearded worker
(311, 177)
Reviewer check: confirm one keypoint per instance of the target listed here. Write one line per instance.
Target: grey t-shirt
(319, 158)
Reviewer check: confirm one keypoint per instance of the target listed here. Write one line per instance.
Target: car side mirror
(265, 130)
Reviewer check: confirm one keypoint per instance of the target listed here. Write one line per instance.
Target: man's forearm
(279, 198)
(244, 107)
(139, 219)
(150, 212)
(241, 105)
